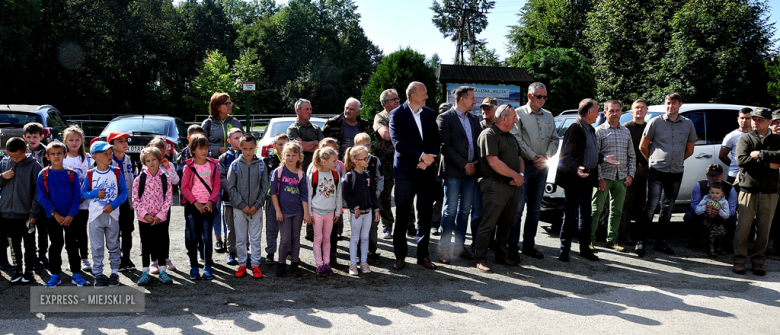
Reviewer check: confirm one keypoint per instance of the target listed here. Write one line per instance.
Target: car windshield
(138, 126)
(18, 120)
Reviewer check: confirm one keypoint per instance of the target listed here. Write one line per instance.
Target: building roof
(446, 73)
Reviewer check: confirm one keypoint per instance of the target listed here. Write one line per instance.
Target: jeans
(658, 182)
(531, 199)
(458, 198)
(577, 213)
(218, 223)
(199, 228)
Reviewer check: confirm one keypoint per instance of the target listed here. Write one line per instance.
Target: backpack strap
(278, 179)
(89, 177)
(141, 185)
(703, 188)
(164, 180)
(315, 179)
(118, 173)
(335, 177)
(45, 176)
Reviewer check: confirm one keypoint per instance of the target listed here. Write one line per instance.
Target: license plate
(135, 148)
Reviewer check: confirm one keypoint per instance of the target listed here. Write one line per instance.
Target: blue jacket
(409, 147)
(64, 194)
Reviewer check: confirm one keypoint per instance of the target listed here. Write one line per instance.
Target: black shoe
(627, 241)
(513, 256)
(533, 253)
(564, 257)
(269, 259)
(589, 255)
(45, 262)
(639, 249)
(373, 259)
(411, 234)
(295, 270)
(113, 280)
(129, 266)
(122, 266)
(39, 265)
(280, 269)
(662, 247)
(219, 247)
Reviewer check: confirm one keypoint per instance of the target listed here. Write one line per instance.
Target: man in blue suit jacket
(415, 137)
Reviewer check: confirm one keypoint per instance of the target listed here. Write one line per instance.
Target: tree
(462, 20)
(485, 57)
(215, 76)
(773, 86)
(397, 70)
(550, 24)
(718, 53)
(567, 74)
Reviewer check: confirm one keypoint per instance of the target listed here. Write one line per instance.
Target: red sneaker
(256, 272)
(241, 271)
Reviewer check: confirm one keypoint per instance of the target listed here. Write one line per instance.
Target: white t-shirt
(730, 141)
(107, 181)
(81, 168)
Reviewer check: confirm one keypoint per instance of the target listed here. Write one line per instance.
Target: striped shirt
(616, 141)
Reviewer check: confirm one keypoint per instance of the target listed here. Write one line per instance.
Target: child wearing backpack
(360, 196)
(247, 186)
(200, 187)
(290, 199)
(227, 158)
(172, 176)
(152, 196)
(59, 192)
(324, 196)
(79, 161)
(106, 190)
(19, 206)
(272, 161)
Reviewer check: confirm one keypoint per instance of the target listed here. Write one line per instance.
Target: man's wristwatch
(53, 212)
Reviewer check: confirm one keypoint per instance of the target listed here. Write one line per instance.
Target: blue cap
(99, 146)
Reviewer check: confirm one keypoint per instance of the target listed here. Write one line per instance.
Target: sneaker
(122, 266)
(27, 278)
(207, 273)
(231, 259)
(615, 246)
(321, 271)
(353, 270)
(739, 268)
(129, 265)
(113, 280)
(85, 266)
(220, 247)
(593, 248)
(758, 269)
(256, 272)
(16, 278)
(364, 267)
(165, 278)
(55, 281)
(639, 249)
(78, 280)
(241, 271)
(328, 270)
(100, 281)
(154, 268)
(169, 265)
(662, 247)
(295, 270)
(435, 232)
(386, 233)
(269, 259)
(145, 277)
(195, 273)
(280, 267)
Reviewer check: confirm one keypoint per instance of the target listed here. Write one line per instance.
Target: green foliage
(549, 24)
(567, 74)
(486, 57)
(397, 70)
(215, 76)
(773, 86)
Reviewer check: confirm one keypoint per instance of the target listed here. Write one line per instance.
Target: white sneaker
(353, 270)
(364, 267)
(169, 265)
(85, 266)
(154, 268)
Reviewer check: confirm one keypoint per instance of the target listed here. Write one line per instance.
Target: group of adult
(495, 170)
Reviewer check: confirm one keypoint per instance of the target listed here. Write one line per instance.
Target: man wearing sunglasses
(536, 134)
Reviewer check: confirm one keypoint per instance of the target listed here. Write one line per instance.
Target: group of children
(67, 196)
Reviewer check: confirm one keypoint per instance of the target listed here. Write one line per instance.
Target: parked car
(14, 117)
(712, 122)
(142, 129)
(280, 125)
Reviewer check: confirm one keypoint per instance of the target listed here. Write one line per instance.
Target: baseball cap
(116, 134)
(445, 106)
(715, 169)
(489, 101)
(776, 115)
(762, 112)
(99, 146)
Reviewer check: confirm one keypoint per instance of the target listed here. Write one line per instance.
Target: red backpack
(315, 179)
(45, 176)
(117, 171)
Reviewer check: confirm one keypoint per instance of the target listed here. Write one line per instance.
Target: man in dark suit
(577, 171)
(459, 130)
(416, 140)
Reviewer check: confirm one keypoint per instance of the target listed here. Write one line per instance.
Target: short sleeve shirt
(730, 141)
(669, 140)
(494, 142)
(384, 149)
(308, 132)
(292, 192)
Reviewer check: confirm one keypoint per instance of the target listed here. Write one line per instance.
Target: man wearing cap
(459, 130)
(728, 149)
(758, 155)
(538, 139)
(714, 174)
(666, 143)
(306, 133)
(488, 107)
(502, 169)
